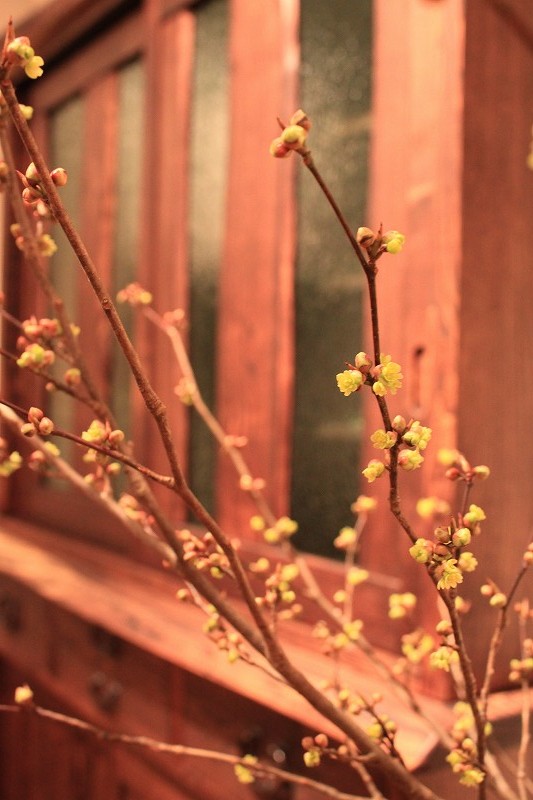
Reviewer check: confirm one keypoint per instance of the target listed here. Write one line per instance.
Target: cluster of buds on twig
(103, 468)
(226, 639)
(45, 243)
(333, 642)
(384, 377)
(463, 757)
(39, 460)
(36, 357)
(135, 295)
(411, 436)
(102, 434)
(37, 423)
(10, 461)
(415, 646)
(293, 136)
(20, 53)
(459, 469)
(281, 530)
(42, 330)
(280, 597)
(134, 511)
(496, 598)
(33, 191)
(378, 243)
(204, 553)
(522, 668)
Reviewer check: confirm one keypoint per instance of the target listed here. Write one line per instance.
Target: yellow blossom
(349, 381)
(363, 504)
(383, 440)
(410, 460)
(447, 457)
(346, 538)
(388, 376)
(443, 658)
(467, 562)
(243, 772)
(421, 551)
(449, 574)
(374, 470)
(474, 515)
(23, 695)
(33, 67)
(393, 241)
(472, 776)
(417, 436)
(428, 507)
(357, 575)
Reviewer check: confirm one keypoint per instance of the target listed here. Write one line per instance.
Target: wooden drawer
(24, 633)
(108, 680)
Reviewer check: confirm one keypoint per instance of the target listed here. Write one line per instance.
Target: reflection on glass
(335, 92)
(206, 220)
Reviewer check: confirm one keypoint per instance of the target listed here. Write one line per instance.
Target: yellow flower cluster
(388, 376)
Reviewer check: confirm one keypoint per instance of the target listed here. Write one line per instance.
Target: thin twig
(258, 769)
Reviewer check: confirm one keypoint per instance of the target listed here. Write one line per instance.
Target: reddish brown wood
(415, 188)
(164, 268)
(496, 289)
(255, 346)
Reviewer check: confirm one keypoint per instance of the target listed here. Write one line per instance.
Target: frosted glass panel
(208, 173)
(335, 92)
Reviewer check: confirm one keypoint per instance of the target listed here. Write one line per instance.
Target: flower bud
(498, 600)
(365, 237)
(32, 176)
(46, 426)
(462, 537)
(59, 176)
(294, 136)
(278, 148)
(300, 118)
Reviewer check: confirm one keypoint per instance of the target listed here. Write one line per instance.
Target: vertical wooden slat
(164, 216)
(495, 368)
(255, 343)
(415, 188)
(98, 215)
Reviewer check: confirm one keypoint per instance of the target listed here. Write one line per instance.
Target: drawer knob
(106, 692)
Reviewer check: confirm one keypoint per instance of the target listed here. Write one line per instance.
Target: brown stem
(525, 715)
(310, 164)
(470, 682)
(34, 260)
(496, 640)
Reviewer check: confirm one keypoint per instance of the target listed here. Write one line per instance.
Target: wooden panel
(256, 291)
(164, 232)
(24, 635)
(108, 680)
(496, 374)
(415, 188)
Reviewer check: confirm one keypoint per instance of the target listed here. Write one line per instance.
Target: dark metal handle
(106, 692)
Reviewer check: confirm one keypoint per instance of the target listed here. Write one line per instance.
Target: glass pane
(208, 172)
(126, 245)
(336, 40)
